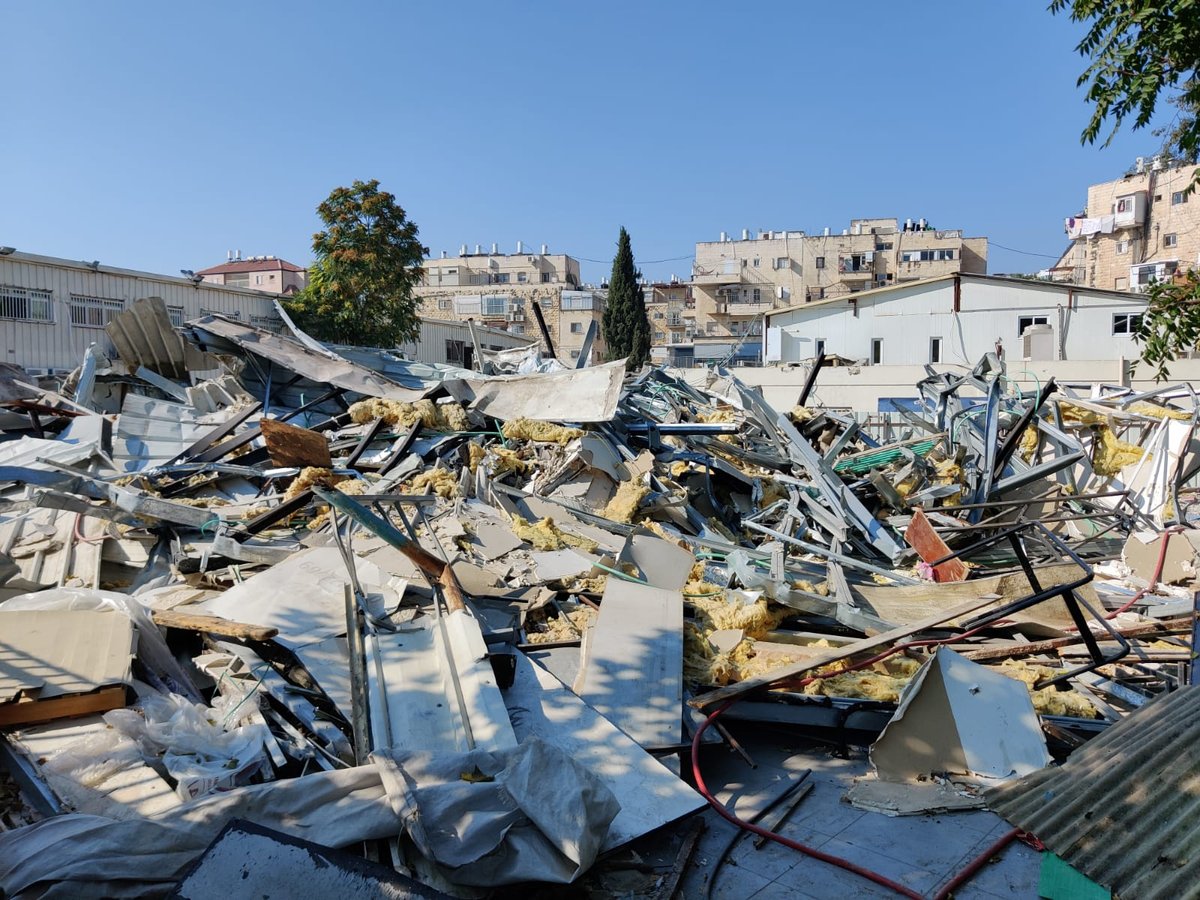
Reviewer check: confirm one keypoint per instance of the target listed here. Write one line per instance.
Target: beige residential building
(736, 282)
(499, 290)
(260, 273)
(1137, 229)
(672, 314)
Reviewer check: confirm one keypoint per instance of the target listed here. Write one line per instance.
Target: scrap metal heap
(476, 625)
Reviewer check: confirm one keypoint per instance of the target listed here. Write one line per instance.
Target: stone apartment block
(672, 313)
(735, 282)
(499, 290)
(1137, 229)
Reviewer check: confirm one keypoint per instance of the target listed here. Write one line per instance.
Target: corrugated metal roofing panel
(1125, 808)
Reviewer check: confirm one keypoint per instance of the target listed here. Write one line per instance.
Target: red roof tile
(237, 266)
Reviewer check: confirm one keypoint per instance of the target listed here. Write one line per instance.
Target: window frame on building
(820, 262)
(818, 347)
(1170, 239)
(1178, 198)
(1126, 324)
(935, 349)
(34, 300)
(1024, 322)
(576, 328)
(175, 314)
(86, 311)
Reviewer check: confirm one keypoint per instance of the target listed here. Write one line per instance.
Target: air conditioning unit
(516, 317)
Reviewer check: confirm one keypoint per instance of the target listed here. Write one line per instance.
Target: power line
(1024, 252)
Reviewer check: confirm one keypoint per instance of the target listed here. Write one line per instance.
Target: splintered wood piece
(291, 445)
(929, 546)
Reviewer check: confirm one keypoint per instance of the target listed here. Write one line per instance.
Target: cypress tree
(625, 325)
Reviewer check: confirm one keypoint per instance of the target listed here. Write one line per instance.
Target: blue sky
(157, 136)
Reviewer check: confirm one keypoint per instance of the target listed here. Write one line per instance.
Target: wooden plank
(929, 546)
(795, 670)
(173, 618)
(633, 673)
(27, 711)
(291, 445)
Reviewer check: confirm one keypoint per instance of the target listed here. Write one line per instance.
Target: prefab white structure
(52, 309)
(956, 320)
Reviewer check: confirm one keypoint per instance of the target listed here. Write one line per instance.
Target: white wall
(906, 318)
(61, 345)
(859, 388)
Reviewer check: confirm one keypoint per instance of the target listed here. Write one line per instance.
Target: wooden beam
(171, 618)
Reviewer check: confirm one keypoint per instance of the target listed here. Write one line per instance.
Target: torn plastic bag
(153, 652)
(529, 813)
(200, 755)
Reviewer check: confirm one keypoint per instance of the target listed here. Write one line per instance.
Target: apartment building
(735, 283)
(259, 273)
(671, 310)
(1140, 228)
(499, 290)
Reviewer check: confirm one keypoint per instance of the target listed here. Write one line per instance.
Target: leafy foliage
(1140, 49)
(368, 260)
(1170, 326)
(626, 326)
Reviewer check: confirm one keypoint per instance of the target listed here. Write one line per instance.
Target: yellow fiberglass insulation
(311, 476)
(505, 461)
(435, 481)
(703, 663)
(887, 679)
(531, 430)
(772, 490)
(625, 502)
(717, 415)
(545, 535)
(558, 628)
(1110, 454)
(435, 416)
(476, 454)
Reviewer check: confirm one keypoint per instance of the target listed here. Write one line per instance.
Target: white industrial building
(955, 320)
(52, 309)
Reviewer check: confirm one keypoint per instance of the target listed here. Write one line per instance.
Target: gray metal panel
(1125, 808)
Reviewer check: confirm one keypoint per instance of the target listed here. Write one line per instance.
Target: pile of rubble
(483, 627)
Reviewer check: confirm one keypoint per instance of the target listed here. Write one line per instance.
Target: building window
(516, 329)
(1024, 322)
(935, 350)
(876, 351)
(27, 304)
(757, 295)
(239, 279)
(755, 263)
(175, 314)
(819, 346)
(658, 315)
(258, 279)
(522, 277)
(456, 352)
(495, 305)
(883, 245)
(545, 278)
(1122, 247)
(820, 262)
(574, 354)
(445, 303)
(926, 255)
(576, 328)
(1121, 283)
(1126, 323)
(1124, 205)
(781, 262)
(93, 312)
(236, 314)
(1178, 197)
(1170, 240)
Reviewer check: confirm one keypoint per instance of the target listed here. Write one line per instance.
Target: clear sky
(160, 135)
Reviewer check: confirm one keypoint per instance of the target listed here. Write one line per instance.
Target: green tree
(626, 326)
(368, 260)
(1142, 52)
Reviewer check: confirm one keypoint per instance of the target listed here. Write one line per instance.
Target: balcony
(745, 308)
(860, 266)
(727, 271)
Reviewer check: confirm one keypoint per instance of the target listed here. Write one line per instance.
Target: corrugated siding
(1125, 808)
(61, 345)
(431, 347)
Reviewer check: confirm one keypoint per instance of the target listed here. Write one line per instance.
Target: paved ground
(921, 852)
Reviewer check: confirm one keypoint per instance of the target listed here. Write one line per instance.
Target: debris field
(268, 606)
